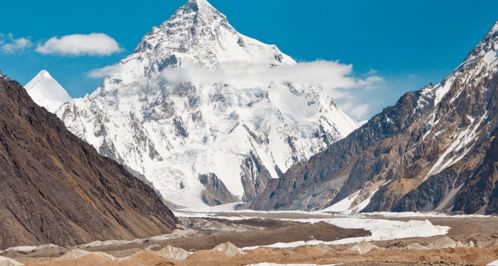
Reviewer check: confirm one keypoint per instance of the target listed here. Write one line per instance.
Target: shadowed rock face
(215, 192)
(480, 191)
(54, 188)
(435, 149)
(255, 177)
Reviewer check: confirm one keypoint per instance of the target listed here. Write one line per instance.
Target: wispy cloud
(103, 72)
(337, 78)
(94, 44)
(11, 45)
(358, 111)
(330, 74)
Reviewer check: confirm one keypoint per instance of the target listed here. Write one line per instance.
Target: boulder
(362, 248)
(443, 242)
(229, 249)
(174, 253)
(75, 254)
(4, 261)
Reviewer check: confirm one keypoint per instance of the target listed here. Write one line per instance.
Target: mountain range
(434, 150)
(170, 113)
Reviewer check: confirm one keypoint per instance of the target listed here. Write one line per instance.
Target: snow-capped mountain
(47, 92)
(233, 137)
(434, 150)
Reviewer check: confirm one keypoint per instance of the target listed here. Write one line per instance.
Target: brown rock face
(215, 192)
(54, 188)
(435, 149)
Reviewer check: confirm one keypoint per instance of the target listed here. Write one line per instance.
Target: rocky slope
(174, 132)
(54, 188)
(47, 92)
(434, 150)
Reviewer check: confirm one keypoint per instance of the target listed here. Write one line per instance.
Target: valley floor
(291, 238)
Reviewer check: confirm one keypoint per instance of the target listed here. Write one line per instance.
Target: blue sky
(408, 43)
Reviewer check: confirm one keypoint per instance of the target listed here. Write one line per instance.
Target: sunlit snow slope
(173, 132)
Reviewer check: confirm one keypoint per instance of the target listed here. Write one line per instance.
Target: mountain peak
(44, 74)
(487, 49)
(490, 41)
(494, 29)
(200, 34)
(46, 91)
(201, 14)
(199, 4)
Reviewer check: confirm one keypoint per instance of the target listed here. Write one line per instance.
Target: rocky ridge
(435, 149)
(55, 188)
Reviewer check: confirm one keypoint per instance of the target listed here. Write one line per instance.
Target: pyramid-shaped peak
(487, 49)
(46, 91)
(495, 28)
(492, 35)
(44, 74)
(200, 3)
(199, 33)
(198, 7)
(194, 17)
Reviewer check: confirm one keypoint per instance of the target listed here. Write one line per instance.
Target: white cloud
(356, 110)
(94, 44)
(11, 45)
(349, 91)
(104, 72)
(332, 75)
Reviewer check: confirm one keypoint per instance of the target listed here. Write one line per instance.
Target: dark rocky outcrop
(54, 188)
(215, 192)
(479, 193)
(255, 177)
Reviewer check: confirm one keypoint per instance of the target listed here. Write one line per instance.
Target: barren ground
(477, 239)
